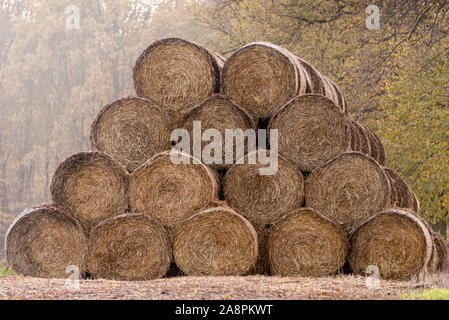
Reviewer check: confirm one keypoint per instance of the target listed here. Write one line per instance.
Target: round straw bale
(44, 241)
(328, 93)
(379, 147)
(221, 114)
(171, 192)
(177, 74)
(131, 130)
(261, 266)
(395, 241)
(312, 130)
(304, 77)
(374, 152)
(329, 89)
(364, 139)
(415, 202)
(394, 196)
(353, 135)
(215, 242)
(341, 101)
(432, 266)
(442, 252)
(304, 243)
(403, 197)
(261, 77)
(130, 247)
(348, 189)
(263, 199)
(92, 186)
(316, 78)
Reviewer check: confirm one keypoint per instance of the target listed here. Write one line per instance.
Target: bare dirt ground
(221, 288)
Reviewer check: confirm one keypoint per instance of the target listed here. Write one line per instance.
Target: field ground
(222, 288)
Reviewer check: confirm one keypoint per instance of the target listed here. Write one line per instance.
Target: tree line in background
(54, 80)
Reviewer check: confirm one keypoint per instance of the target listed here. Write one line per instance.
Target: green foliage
(414, 123)
(6, 272)
(433, 294)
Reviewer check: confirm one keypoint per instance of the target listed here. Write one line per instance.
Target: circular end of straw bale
(177, 74)
(263, 199)
(172, 186)
(304, 243)
(44, 242)
(92, 186)
(260, 77)
(348, 189)
(311, 129)
(131, 130)
(395, 241)
(215, 242)
(218, 113)
(129, 247)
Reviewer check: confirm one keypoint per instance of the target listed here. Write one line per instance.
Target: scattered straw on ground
(200, 288)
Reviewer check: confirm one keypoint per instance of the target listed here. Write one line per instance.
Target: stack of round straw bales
(134, 207)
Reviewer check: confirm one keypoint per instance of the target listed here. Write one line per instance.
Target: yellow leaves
(414, 127)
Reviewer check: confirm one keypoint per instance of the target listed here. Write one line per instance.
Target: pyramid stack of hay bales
(300, 199)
